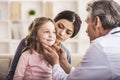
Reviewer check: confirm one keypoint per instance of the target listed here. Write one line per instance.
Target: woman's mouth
(59, 38)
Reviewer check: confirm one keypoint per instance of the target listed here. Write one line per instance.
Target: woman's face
(64, 29)
(47, 34)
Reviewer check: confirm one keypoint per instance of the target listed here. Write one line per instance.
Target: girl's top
(33, 67)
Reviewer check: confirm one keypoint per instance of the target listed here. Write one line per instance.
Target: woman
(67, 26)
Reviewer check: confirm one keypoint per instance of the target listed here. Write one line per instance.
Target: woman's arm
(67, 53)
(15, 60)
(63, 59)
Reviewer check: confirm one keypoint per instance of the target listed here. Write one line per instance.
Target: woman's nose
(62, 32)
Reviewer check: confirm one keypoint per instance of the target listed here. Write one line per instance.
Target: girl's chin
(58, 40)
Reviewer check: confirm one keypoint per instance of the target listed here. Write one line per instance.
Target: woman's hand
(63, 59)
(50, 54)
(56, 55)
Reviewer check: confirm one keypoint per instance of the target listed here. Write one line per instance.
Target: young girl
(32, 65)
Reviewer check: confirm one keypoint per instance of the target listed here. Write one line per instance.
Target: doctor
(102, 59)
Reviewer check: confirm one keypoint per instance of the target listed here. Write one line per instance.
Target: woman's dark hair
(72, 17)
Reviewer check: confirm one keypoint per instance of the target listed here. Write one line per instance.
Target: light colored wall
(84, 40)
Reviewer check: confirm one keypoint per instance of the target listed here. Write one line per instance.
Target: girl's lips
(50, 39)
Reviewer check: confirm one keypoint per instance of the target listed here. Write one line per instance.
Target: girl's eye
(45, 31)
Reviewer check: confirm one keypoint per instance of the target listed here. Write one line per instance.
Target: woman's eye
(69, 33)
(60, 26)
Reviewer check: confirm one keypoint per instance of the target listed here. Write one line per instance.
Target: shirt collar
(114, 30)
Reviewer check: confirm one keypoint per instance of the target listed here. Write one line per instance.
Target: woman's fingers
(47, 48)
(56, 47)
(50, 55)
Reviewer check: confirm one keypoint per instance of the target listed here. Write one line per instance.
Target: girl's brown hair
(31, 39)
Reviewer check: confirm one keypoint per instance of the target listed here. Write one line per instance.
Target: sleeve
(67, 52)
(58, 73)
(21, 67)
(15, 60)
(94, 66)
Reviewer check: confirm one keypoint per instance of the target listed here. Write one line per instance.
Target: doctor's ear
(97, 25)
(97, 21)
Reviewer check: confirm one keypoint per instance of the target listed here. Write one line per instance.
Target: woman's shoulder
(65, 48)
(67, 52)
(22, 40)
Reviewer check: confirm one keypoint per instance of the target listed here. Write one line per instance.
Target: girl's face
(64, 29)
(46, 33)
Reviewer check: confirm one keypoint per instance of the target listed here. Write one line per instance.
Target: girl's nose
(51, 34)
